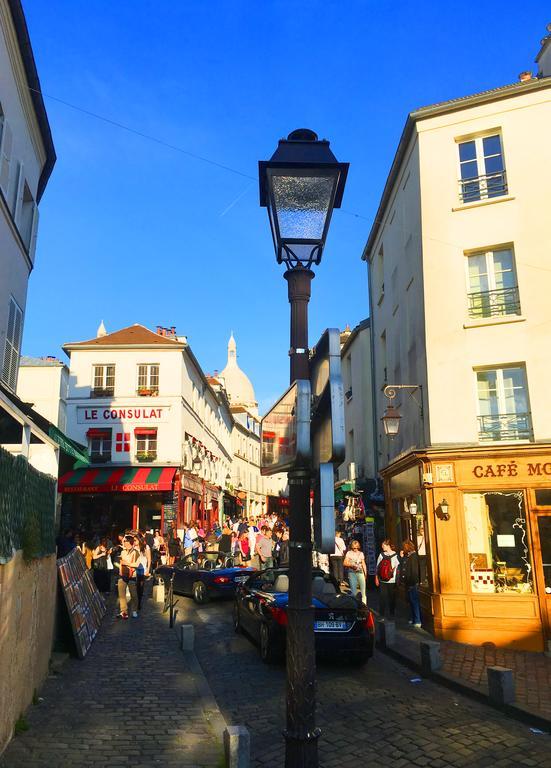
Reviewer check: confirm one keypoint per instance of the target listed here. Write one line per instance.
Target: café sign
(133, 414)
(536, 467)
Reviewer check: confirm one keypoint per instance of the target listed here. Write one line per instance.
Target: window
(122, 442)
(12, 347)
(497, 543)
(503, 405)
(492, 284)
(482, 170)
(28, 219)
(148, 379)
(146, 444)
(6, 140)
(104, 381)
(99, 445)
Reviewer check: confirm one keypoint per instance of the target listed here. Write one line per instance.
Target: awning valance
(111, 479)
(145, 431)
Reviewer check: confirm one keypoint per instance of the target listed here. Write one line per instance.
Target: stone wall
(27, 615)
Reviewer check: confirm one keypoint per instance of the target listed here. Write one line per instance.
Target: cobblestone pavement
(375, 714)
(130, 702)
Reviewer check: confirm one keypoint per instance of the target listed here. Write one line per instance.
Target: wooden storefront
(486, 555)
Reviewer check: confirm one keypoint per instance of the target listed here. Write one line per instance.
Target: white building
(43, 382)
(27, 157)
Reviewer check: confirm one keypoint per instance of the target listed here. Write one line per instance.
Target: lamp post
(391, 417)
(300, 185)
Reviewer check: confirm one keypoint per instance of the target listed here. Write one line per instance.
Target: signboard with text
(107, 415)
(285, 431)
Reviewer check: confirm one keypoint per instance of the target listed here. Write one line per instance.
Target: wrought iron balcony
(503, 301)
(483, 187)
(505, 426)
(100, 458)
(102, 392)
(146, 455)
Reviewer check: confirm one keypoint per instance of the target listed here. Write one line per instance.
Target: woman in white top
(387, 571)
(355, 562)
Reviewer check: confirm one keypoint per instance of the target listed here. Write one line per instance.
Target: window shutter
(13, 345)
(18, 198)
(5, 157)
(34, 232)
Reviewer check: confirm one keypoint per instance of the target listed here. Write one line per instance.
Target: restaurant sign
(521, 469)
(137, 414)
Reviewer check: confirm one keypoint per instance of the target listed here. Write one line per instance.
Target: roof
(433, 110)
(133, 336)
(40, 362)
(25, 48)
(362, 325)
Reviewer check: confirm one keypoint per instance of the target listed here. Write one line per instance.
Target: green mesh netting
(27, 509)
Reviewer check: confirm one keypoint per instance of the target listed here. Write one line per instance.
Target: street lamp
(300, 185)
(391, 417)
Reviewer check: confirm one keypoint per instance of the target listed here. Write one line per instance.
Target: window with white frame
(103, 384)
(12, 347)
(503, 412)
(481, 168)
(492, 283)
(146, 443)
(148, 379)
(99, 445)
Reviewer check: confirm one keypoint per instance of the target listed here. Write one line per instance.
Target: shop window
(497, 542)
(104, 381)
(148, 379)
(146, 444)
(543, 497)
(544, 530)
(413, 528)
(99, 445)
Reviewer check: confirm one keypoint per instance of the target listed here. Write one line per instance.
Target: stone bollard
(187, 637)
(159, 593)
(386, 633)
(237, 746)
(430, 656)
(501, 685)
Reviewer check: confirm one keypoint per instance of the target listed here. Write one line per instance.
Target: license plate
(241, 579)
(330, 625)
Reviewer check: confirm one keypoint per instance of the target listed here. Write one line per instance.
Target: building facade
(44, 382)
(458, 281)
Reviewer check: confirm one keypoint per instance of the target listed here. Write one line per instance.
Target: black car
(342, 626)
(211, 577)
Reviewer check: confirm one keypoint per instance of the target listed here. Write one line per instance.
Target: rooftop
(133, 336)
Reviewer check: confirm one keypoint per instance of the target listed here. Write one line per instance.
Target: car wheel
(238, 629)
(268, 652)
(200, 594)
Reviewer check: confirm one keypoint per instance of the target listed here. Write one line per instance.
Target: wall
(27, 611)
(42, 385)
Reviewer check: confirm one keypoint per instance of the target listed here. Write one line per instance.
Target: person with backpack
(409, 576)
(388, 563)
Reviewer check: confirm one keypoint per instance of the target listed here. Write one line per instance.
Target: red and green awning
(109, 479)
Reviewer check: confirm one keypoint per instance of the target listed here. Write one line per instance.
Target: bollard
(430, 656)
(386, 633)
(501, 685)
(159, 593)
(187, 637)
(237, 746)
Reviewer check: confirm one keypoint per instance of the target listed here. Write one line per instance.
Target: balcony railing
(505, 426)
(151, 391)
(483, 187)
(100, 458)
(504, 301)
(102, 392)
(146, 455)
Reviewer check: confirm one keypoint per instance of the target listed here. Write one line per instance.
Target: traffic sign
(285, 431)
(328, 432)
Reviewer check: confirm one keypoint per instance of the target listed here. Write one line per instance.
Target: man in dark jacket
(409, 570)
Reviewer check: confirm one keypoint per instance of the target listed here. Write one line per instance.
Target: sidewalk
(466, 664)
(132, 700)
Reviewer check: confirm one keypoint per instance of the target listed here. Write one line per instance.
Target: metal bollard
(430, 656)
(159, 593)
(501, 685)
(187, 637)
(237, 746)
(386, 633)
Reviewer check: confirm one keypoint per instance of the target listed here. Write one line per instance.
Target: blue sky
(132, 231)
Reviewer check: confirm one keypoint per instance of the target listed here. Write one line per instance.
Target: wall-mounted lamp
(391, 417)
(391, 421)
(413, 509)
(444, 509)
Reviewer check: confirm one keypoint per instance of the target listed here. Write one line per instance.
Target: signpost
(285, 431)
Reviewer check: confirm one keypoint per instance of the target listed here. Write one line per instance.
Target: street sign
(285, 431)
(328, 433)
(324, 510)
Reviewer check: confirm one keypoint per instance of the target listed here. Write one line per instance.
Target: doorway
(542, 563)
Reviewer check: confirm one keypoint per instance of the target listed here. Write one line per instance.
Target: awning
(68, 446)
(110, 479)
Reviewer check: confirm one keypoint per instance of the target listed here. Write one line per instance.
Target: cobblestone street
(377, 711)
(130, 701)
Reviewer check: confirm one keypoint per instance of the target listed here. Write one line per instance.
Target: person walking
(127, 578)
(355, 562)
(409, 575)
(388, 564)
(336, 559)
(263, 549)
(143, 568)
(244, 548)
(224, 544)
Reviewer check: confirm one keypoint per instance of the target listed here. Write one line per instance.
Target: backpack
(385, 569)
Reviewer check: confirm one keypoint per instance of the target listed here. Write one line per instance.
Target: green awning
(68, 446)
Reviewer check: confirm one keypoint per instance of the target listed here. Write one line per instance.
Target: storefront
(199, 501)
(480, 519)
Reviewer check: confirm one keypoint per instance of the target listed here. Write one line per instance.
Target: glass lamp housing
(391, 421)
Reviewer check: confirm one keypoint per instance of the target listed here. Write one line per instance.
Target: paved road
(372, 716)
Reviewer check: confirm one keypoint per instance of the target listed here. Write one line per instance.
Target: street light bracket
(390, 392)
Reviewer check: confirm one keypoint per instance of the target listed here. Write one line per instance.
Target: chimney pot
(524, 77)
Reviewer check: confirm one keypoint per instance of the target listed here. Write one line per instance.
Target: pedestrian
(127, 578)
(283, 556)
(263, 549)
(244, 548)
(102, 577)
(388, 564)
(355, 562)
(336, 559)
(253, 533)
(174, 548)
(187, 540)
(143, 568)
(409, 576)
(224, 544)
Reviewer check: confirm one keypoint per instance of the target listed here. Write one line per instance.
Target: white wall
(45, 386)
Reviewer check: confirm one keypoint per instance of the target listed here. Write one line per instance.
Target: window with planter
(503, 405)
(497, 543)
(146, 443)
(492, 284)
(481, 168)
(103, 384)
(99, 445)
(148, 379)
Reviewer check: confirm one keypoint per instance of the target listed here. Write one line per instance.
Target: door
(542, 563)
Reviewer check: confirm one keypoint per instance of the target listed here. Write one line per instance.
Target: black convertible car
(342, 626)
(205, 579)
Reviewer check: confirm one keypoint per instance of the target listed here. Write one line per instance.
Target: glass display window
(497, 543)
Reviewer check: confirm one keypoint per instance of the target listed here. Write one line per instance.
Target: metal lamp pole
(300, 185)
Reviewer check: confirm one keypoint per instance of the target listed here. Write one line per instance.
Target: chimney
(160, 330)
(525, 77)
(543, 59)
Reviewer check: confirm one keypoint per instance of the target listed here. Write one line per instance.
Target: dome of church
(238, 385)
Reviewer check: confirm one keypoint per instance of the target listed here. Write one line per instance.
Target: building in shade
(459, 282)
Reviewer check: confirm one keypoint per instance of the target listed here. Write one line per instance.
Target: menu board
(85, 604)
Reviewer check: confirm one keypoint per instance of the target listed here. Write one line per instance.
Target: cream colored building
(459, 282)
(43, 382)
